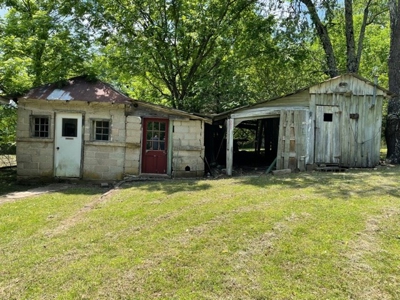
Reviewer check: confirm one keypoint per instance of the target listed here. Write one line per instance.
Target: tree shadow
(344, 185)
(169, 186)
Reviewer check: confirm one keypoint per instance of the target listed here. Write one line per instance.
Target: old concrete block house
(83, 128)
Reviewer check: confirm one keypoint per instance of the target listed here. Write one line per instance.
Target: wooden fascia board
(171, 111)
(259, 112)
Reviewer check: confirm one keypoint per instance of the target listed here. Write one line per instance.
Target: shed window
(328, 117)
(40, 126)
(101, 130)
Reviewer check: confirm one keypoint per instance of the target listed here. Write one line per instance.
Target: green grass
(302, 236)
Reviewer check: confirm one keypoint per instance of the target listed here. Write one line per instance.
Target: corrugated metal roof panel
(59, 95)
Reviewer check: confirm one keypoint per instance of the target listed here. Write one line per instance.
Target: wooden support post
(229, 146)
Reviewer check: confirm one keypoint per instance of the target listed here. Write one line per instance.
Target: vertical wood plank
(229, 146)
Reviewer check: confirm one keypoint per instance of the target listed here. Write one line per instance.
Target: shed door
(155, 146)
(327, 135)
(68, 145)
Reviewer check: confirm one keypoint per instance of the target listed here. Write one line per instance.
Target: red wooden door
(155, 146)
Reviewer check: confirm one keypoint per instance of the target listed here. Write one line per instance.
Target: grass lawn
(302, 236)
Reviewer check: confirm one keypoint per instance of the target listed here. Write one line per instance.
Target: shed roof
(226, 114)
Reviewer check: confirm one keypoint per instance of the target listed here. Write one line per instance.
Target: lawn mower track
(367, 245)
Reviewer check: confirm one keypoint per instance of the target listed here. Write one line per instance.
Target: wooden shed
(337, 122)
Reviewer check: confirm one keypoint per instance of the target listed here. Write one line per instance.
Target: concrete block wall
(188, 148)
(103, 162)
(100, 111)
(133, 145)
(34, 155)
(24, 120)
(33, 160)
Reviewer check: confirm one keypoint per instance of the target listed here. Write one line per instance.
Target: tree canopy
(196, 55)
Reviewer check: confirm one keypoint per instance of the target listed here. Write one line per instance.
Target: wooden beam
(264, 111)
(229, 145)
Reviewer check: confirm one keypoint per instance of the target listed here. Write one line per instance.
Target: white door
(327, 135)
(68, 145)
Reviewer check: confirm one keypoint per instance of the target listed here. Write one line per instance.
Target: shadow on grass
(9, 184)
(170, 186)
(360, 182)
(8, 181)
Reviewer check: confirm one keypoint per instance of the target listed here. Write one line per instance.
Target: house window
(40, 126)
(101, 130)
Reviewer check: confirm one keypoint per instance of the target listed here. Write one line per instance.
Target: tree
(8, 121)
(41, 41)
(173, 45)
(371, 10)
(393, 117)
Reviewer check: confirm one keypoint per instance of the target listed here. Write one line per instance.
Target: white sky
(2, 12)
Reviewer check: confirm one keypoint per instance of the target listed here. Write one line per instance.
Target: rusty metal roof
(79, 88)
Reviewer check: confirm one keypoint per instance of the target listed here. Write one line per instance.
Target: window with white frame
(40, 126)
(101, 130)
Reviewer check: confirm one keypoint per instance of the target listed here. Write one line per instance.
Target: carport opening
(255, 143)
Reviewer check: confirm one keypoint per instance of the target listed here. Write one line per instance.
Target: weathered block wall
(133, 145)
(34, 155)
(102, 160)
(34, 159)
(188, 148)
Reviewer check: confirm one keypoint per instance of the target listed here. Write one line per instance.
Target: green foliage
(201, 56)
(41, 42)
(8, 122)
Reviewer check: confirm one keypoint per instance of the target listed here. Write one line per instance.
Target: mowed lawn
(301, 236)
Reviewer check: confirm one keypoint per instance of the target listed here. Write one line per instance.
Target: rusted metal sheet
(78, 89)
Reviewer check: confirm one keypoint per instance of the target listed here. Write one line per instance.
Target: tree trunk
(352, 64)
(393, 117)
(324, 38)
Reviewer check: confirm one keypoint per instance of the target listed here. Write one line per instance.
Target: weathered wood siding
(293, 136)
(360, 118)
(327, 134)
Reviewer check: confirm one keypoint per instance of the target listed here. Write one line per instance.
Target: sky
(2, 12)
